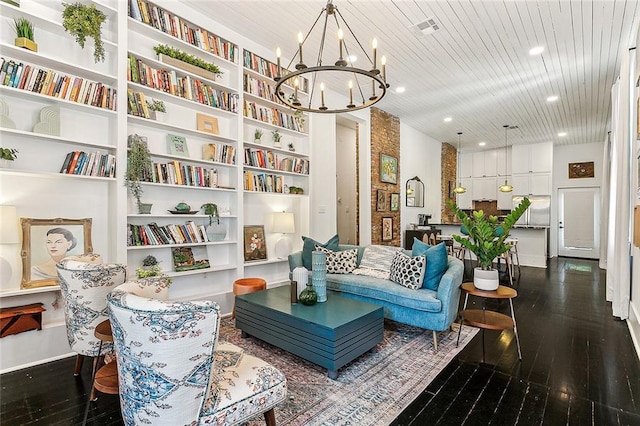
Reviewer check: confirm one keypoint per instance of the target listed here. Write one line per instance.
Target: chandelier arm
(322, 39)
(306, 37)
(354, 36)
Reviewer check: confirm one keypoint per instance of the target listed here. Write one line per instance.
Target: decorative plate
(182, 212)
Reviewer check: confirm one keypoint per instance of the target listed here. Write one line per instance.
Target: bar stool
(246, 286)
(513, 252)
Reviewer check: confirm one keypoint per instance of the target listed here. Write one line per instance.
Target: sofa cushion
(310, 245)
(437, 261)
(386, 291)
(408, 271)
(376, 261)
(340, 262)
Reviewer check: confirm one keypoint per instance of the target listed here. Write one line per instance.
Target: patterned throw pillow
(340, 262)
(408, 271)
(376, 261)
(309, 244)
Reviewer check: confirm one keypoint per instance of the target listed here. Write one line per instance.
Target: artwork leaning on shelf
(183, 260)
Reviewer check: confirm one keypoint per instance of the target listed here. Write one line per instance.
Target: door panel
(579, 215)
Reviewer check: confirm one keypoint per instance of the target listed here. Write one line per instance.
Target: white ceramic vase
(486, 280)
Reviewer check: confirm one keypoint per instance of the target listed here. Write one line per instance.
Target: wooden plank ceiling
(476, 68)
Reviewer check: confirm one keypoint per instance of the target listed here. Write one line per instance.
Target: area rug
(371, 390)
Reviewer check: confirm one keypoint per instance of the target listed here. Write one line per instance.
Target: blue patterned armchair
(172, 369)
(85, 285)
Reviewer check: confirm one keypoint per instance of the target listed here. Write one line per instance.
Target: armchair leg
(270, 417)
(78, 367)
(435, 341)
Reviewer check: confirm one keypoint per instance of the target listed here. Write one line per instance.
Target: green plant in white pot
(216, 231)
(139, 167)
(487, 241)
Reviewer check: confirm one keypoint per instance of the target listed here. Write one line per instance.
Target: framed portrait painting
(388, 169)
(255, 245)
(45, 242)
(387, 228)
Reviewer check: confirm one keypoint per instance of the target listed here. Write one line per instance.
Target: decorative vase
(26, 43)
(216, 231)
(144, 208)
(319, 274)
(257, 141)
(486, 280)
(277, 144)
(160, 116)
(301, 275)
(308, 295)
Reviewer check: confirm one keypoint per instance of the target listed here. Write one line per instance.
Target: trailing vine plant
(84, 21)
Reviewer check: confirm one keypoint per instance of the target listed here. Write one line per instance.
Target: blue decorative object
(437, 262)
(319, 274)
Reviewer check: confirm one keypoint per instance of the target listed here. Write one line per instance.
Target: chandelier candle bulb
(351, 105)
(295, 88)
(340, 40)
(300, 65)
(383, 61)
(278, 54)
(322, 107)
(374, 44)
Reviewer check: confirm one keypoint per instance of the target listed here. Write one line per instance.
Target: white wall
(562, 156)
(420, 155)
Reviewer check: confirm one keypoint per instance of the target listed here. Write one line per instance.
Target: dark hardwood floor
(578, 367)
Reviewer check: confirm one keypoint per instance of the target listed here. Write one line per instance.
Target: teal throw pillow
(437, 262)
(310, 245)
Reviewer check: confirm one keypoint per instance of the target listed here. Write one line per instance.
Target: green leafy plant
(24, 28)
(276, 136)
(257, 134)
(485, 240)
(163, 49)
(139, 165)
(151, 268)
(212, 210)
(84, 21)
(156, 105)
(8, 154)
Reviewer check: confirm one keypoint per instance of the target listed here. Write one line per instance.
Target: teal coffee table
(329, 334)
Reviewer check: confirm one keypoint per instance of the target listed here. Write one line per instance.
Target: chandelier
(459, 189)
(363, 86)
(506, 187)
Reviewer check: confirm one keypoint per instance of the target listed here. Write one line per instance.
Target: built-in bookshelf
(273, 116)
(267, 159)
(266, 68)
(89, 164)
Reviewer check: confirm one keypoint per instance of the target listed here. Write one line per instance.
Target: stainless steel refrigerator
(538, 214)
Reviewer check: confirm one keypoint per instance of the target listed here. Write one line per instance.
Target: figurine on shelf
(276, 136)
(291, 147)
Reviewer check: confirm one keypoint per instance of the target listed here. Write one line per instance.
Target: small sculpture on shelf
(291, 147)
(139, 168)
(257, 135)
(216, 231)
(24, 34)
(276, 136)
(82, 21)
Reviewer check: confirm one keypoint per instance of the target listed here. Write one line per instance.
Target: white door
(579, 216)
(346, 181)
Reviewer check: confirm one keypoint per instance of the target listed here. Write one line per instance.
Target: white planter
(486, 280)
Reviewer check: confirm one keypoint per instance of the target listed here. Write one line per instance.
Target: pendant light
(506, 187)
(459, 189)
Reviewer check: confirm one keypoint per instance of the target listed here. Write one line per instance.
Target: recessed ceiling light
(552, 98)
(482, 143)
(447, 119)
(562, 134)
(400, 89)
(352, 58)
(536, 50)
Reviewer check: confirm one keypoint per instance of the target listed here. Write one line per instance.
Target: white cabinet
(531, 184)
(535, 158)
(504, 198)
(465, 201)
(466, 165)
(503, 160)
(484, 163)
(484, 188)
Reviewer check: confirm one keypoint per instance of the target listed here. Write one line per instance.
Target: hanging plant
(84, 21)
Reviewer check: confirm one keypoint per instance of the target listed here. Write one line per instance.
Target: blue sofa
(424, 308)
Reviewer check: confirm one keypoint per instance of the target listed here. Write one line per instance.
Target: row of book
(89, 164)
(153, 234)
(269, 69)
(262, 182)
(259, 88)
(183, 86)
(176, 173)
(219, 152)
(137, 104)
(169, 23)
(24, 76)
(272, 115)
(269, 160)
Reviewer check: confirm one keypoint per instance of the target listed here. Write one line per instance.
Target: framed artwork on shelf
(581, 170)
(183, 260)
(45, 242)
(177, 145)
(381, 200)
(207, 123)
(395, 202)
(387, 228)
(388, 169)
(255, 247)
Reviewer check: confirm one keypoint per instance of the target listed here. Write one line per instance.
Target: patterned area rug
(371, 390)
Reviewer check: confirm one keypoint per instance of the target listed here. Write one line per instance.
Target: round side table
(246, 286)
(486, 319)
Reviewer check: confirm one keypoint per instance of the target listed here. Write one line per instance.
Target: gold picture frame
(255, 245)
(47, 241)
(207, 123)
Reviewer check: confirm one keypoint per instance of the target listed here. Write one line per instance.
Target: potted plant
(139, 167)
(157, 109)
(24, 34)
(177, 58)
(276, 136)
(291, 147)
(151, 268)
(257, 135)
(487, 240)
(216, 231)
(7, 155)
(84, 21)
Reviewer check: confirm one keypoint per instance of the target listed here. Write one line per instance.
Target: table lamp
(283, 223)
(9, 238)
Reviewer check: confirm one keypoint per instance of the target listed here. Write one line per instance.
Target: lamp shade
(283, 223)
(9, 225)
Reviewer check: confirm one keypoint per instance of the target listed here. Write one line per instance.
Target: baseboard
(633, 322)
(38, 362)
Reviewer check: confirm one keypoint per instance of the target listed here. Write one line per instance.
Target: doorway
(347, 180)
(579, 216)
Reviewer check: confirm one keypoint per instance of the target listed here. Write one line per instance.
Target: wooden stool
(246, 286)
